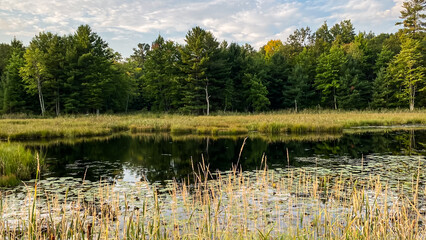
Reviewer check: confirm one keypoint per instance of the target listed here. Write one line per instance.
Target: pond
(306, 174)
(157, 158)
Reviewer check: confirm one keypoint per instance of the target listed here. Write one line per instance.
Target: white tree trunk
(295, 105)
(412, 96)
(207, 99)
(40, 97)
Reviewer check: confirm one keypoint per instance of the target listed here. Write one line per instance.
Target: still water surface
(397, 157)
(158, 158)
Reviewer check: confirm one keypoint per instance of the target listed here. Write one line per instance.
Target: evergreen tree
(255, 93)
(55, 60)
(91, 76)
(355, 90)
(277, 80)
(5, 53)
(237, 62)
(413, 15)
(140, 54)
(14, 92)
(297, 41)
(301, 93)
(383, 90)
(160, 78)
(322, 40)
(218, 74)
(196, 54)
(343, 32)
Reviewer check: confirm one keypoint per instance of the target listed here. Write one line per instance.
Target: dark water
(160, 157)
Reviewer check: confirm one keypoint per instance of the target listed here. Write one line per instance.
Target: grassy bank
(16, 163)
(270, 123)
(235, 205)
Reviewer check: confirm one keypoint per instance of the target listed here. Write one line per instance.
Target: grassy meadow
(268, 123)
(262, 204)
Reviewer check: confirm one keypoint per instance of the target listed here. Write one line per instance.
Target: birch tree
(34, 73)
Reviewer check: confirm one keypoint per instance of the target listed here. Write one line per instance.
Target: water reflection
(163, 157)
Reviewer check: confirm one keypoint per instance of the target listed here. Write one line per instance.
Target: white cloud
(133, 21)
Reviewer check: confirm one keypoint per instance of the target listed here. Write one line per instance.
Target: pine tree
(160, 75)
(196, 54)
(382, 90)
(277, 80)
(413, 15)
(355, 90)
(90, 83)
(301, 93)
(14, 92)
(255, 93)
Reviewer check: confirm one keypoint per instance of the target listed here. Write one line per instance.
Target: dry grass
(270, 123)
(232, 205)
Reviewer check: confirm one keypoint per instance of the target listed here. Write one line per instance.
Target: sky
(125, 23)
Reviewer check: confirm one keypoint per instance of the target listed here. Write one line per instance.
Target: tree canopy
(330, 67)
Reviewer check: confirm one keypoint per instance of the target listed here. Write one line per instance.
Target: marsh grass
(264, 204)
(268, 123)
(16, 163)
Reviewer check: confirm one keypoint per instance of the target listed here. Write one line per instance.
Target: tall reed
(263, 204)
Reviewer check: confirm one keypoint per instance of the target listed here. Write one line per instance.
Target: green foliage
(160, 79)
(301, 91)
(236, 57)
(329, 70)
(343, 32)
(382, 89)
(407, 70)
(5, 51)
(196, 56)
(16, 163)
(255, 92)
(14, 99)
(35, 72)
(322, 40)
(355, 89)
(413, 15)
(277, 80)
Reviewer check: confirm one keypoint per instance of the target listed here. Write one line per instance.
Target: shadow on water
(165, 157)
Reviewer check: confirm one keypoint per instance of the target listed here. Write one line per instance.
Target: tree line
(332, 67)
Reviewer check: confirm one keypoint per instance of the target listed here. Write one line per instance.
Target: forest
(332, 67)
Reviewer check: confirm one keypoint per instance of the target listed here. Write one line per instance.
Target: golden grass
(268, 123)
(234, 205)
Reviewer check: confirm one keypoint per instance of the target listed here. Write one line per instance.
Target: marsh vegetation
(162, 186)
(232, 124)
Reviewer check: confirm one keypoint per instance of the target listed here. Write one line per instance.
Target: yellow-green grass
(16, 163)
(268, 123)
(235, 205)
